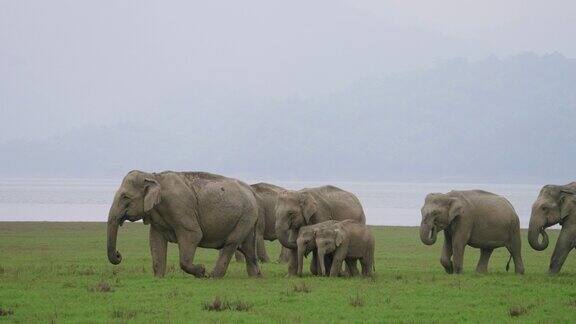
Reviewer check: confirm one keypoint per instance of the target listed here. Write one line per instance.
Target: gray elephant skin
(309, 206)
(266, 196)
(346, 241)
(192, 209)
(306, 242)
(554, 205)
(476, 218)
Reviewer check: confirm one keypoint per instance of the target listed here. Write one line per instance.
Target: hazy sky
(65, 64)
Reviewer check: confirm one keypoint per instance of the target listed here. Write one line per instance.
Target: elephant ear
(455, 209)
(565, 210)
(152, 197)
(309, 206)
(339, 236)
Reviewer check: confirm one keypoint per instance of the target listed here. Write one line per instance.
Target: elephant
(346, 241)
(266, 196)
(192, 209)
(554, 205)
(476, 218)
(306, 242)
(309, 206)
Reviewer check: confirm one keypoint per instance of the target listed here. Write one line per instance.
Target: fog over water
(89, 200)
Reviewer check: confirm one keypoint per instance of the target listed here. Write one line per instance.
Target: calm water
(89, 200)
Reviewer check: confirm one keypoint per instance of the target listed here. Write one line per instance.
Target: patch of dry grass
(102, 286)
(302, 287)
(218, 305)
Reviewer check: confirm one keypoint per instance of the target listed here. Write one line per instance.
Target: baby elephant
(306, 243)
(346, 241)
(476, 218)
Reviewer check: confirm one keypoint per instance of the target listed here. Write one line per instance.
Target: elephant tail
(508, 264)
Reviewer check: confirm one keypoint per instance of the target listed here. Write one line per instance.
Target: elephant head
(553, 205)
(306, 243)
(293, 210)
(327, 240)
(438, 212)
(137, 195)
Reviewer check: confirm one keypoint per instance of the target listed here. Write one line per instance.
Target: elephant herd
(487, 221)
(199, 209)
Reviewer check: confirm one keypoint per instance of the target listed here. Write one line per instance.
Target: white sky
(69, 63)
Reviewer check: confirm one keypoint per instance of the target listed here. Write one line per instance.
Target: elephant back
(341, 204)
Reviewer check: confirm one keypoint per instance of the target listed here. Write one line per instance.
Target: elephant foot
(215, 275)
(197, 270)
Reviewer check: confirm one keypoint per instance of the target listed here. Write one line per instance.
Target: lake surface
(89, 200)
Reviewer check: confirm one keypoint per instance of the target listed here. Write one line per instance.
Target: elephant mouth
(126, 217)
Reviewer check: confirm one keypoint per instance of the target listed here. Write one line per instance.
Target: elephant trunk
(428, 234)
(283, 233)
(113, 222)
(536, 229)
(320, 257)
(301, 249)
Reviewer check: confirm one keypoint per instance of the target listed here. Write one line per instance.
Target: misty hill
(497, 119)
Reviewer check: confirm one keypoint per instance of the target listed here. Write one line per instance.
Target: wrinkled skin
(192, 209)
(476, 218)
(266, 196)
(554, 205)
(295, 209)
(347, 241)
(306, 242)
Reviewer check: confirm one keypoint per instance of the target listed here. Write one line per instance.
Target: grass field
(59, 272)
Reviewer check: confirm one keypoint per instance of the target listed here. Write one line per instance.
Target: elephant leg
(187, 243)
(367, 267)
(564, 245)
(223, 260)
(336, 267)
(314, 269)
(482, 266)
(249, 247)
(261, 248)
(239, 256)
(446, 257)
(284, 256)
(293, 263)
(338, 259)
(352, 268)
(515, 249)
(328, 259)
(458, 246)
(158, 249)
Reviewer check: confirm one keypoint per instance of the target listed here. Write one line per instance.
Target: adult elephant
(476, 218)
(192, 209)
(309, 206)
(554, 205)
(266, 196)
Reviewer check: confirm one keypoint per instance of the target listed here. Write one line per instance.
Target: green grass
(59, 272)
